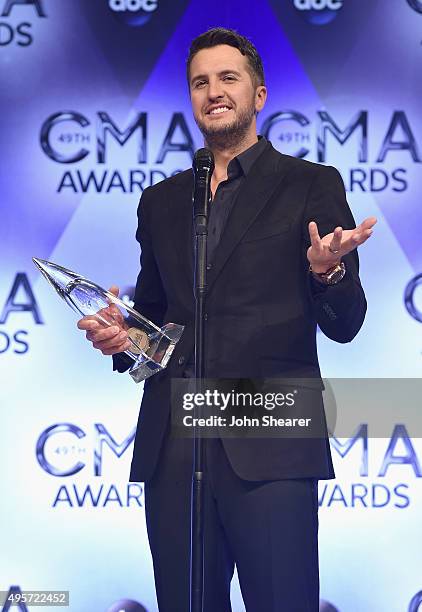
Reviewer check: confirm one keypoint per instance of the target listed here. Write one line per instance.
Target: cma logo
(318, 12)
(20, 305)
(10, 5)
(18, 32)
(60, 448)
(133, 12)
(412, 307)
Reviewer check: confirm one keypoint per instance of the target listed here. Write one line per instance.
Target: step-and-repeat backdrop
(94, 108)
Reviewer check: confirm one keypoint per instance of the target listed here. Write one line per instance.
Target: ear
(260, 97)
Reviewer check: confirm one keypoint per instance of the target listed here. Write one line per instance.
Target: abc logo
(318, 5)
(133, 12)
(416, 5)
(318, 12)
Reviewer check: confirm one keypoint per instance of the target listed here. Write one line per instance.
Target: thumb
(114, 290)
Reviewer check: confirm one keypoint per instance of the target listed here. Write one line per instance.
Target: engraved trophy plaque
(151, 346)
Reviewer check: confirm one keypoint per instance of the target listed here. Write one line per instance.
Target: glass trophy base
(162, 345)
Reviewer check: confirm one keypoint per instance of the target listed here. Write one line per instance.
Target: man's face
(223, 95)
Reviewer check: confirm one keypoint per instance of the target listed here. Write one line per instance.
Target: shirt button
(181, 360)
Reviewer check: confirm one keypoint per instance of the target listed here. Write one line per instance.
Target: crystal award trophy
(151, 346)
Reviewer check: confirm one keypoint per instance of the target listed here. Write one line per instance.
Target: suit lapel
(181, 225)
(256, 191)
(252, 198)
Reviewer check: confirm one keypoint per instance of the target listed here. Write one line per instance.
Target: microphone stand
(204, 163)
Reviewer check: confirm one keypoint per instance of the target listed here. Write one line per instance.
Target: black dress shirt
(222, 204)
(227, 192)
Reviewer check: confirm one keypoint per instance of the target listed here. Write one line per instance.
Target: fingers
(112, 312)
(87, 323)
(114, 290)
(106, 329)
(367, 224)
(109, 340)
(363, 231)
(117, 349)
(104, 318)
(115, 345)
(332, 247)
(361, 236)
(314, 236)
(335, 244)
(110, 316)
(104, 334)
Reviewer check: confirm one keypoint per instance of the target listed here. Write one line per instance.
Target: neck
(223, 156)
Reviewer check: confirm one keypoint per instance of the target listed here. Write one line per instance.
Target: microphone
(203, 167)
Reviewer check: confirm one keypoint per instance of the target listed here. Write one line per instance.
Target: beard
(229, 135)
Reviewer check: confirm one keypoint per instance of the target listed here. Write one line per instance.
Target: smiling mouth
(219, 111)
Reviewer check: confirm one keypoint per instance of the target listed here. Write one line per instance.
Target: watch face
(336, 275)
(333, 276)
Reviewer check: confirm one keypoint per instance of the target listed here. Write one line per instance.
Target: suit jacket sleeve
(150, 298)
(339, 309)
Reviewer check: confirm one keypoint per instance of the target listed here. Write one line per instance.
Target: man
(271, 280)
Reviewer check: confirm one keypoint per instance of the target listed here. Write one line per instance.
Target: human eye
(200, 83)
(229, 77)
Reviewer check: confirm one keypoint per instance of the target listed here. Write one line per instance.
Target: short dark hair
(223, 36)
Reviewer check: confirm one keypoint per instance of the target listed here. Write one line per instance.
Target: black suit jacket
(262, 310)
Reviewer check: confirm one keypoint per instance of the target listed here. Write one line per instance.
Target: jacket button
(206, 316)
(209, 266)
(181, 360)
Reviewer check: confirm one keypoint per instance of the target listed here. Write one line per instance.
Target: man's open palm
(326, 252)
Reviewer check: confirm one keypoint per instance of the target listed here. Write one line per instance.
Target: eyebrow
(198, 77)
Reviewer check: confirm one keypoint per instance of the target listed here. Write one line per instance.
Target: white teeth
(222, 109)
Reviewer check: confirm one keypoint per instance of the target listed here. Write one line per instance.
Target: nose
(215, 89)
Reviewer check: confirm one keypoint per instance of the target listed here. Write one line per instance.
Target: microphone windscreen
(203, 160)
